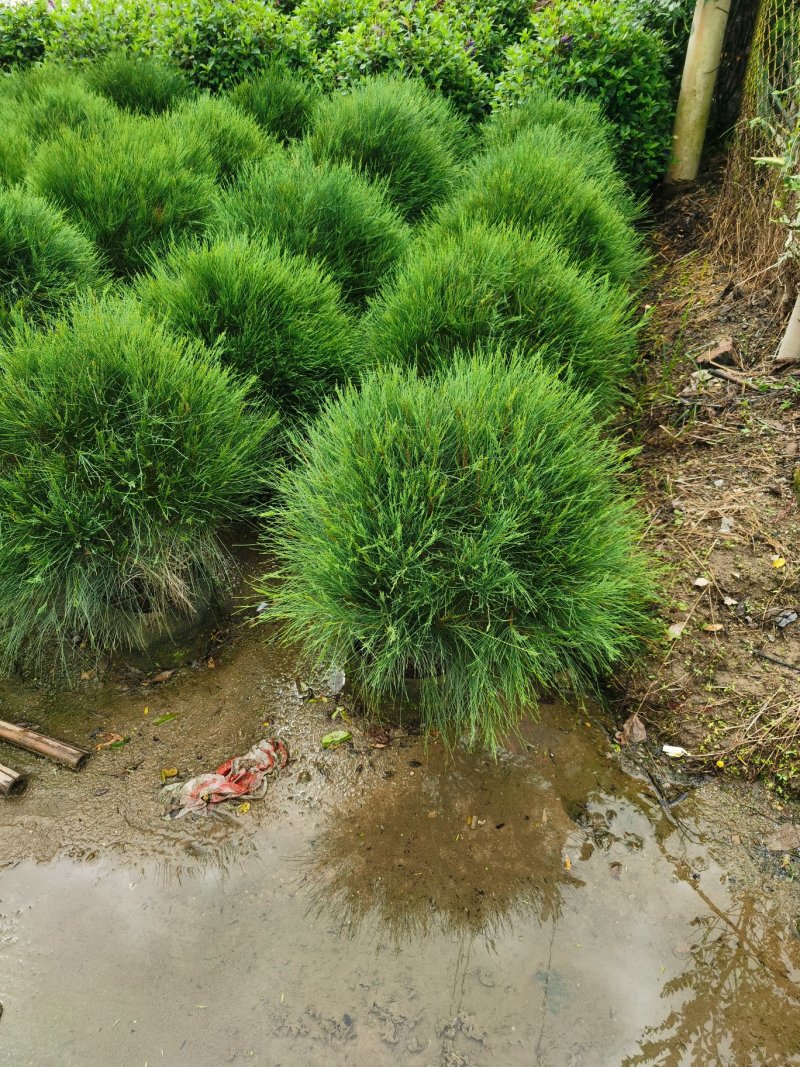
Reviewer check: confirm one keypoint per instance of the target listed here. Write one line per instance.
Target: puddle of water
(537, 910)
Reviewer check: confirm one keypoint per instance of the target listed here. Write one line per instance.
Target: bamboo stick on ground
(11, 783)
(789, 351)
(61, 751)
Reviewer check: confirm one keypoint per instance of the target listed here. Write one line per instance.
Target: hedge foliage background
(480, 54)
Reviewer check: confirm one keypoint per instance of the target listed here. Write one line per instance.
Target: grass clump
(268, 314)
(130, 191)
(482, 284)
(124, 453)
(331, 213)
(15, 152)
(466, 530)
(42, 101)
(396, 130)
(44, 260)
(575, 117)
(146, 85)
(221, 134)
(541, 180)
(281, 101)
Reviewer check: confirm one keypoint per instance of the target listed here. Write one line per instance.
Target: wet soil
(398, 905)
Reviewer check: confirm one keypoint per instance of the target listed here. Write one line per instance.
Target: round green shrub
(487, 284)
(131, 192)
(124, 454)
(42, 101)
(466, 530)
(561, 130)
(602, 50)
(276, 316)
(329, 212)
(280, 101)
(220, 133)
(576, 116)
(397, 130)
(537, 182)
(147, 85)
(44, 260)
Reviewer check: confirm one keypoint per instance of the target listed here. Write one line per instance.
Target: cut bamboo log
(697, 88)
(60, 751)
(11, 783)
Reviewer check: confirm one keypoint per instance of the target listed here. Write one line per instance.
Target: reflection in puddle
(535, 911)
(467, 847)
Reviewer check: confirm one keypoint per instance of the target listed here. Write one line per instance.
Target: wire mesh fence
(753, 223)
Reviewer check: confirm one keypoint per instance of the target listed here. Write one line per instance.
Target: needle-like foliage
(329, 212)
(45, 261)
(545, 179)
(129, 187)
(574, 116)
(269, 314)
(41, 101)
(397, 130)
(483, 283)
(124, 453)
(466, 530)
(147, 85)
(281, 101)
(223, 134)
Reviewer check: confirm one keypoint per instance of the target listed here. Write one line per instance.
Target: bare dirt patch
(718, 466)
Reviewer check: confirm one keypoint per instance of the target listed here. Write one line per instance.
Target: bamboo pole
(60, 751)
(700, 69)
(11, 783)
(789, 352)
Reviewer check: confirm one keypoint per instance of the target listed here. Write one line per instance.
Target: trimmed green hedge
(600, 48)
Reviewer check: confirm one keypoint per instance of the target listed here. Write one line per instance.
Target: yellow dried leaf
(778, 562)
(244, 808)
(169, 772)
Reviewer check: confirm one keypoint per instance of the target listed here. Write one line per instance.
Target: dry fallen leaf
(713, 627)
(157, 679)
(633, 732)
(616, 870)
(778, 562)
(701, 583)
(676, 630)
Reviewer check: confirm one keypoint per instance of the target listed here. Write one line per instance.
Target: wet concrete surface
(381, 906)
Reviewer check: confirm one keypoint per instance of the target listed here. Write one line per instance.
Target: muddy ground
(578, 901)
